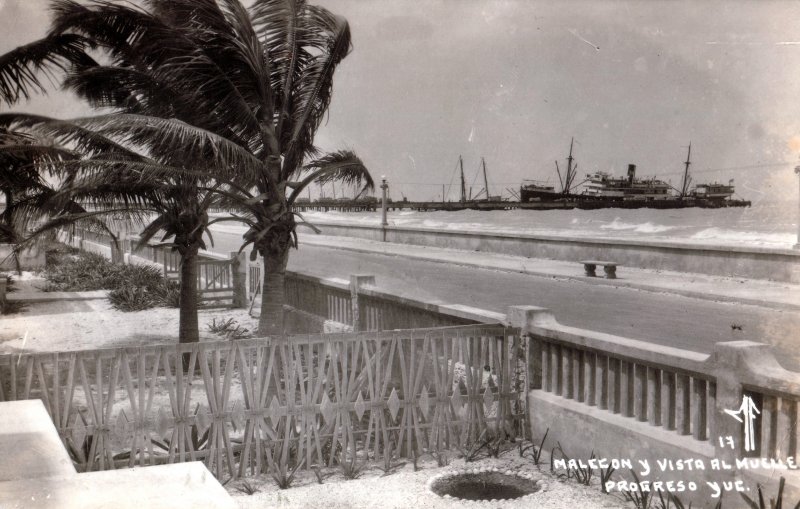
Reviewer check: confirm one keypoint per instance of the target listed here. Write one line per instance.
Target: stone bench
(30, 447)
(188, 485)
(610, 268)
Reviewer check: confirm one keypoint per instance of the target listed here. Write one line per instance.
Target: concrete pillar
(384, 222)
(525, 318)
(797, 245)
(356, 282)
(735, 362)
(240, 279)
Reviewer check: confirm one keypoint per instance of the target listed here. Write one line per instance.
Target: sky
(512, 81)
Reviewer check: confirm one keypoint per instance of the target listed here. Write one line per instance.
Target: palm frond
(169, 43)
(67, 134)
(20, 68)
(343, 166)
(315, 86)
(172, 137)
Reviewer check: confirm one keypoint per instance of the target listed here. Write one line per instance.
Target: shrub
(132, 287)
(228, 329)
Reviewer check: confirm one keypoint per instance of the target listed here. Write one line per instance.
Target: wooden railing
(360, 304)
(215, 278)
(246, 406)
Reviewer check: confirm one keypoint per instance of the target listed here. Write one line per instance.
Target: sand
(408, 489)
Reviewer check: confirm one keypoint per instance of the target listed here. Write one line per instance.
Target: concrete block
(188, 485)
(30, 447)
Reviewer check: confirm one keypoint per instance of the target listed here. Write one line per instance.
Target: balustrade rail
(244, 407)
(679, 391)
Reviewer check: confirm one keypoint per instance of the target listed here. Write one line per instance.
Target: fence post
(239, 268)
(732, 362)
(356, 282)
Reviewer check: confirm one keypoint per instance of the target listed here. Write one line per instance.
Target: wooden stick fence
(319, 398)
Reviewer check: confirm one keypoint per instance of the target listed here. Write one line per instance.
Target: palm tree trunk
(188, 331)
(8, 212)
(270, 323)
(8, 221)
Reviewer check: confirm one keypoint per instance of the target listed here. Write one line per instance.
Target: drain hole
(484, 486)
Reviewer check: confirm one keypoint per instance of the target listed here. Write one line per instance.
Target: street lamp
(384, 188)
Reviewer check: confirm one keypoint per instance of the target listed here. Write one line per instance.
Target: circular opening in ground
(484, 486)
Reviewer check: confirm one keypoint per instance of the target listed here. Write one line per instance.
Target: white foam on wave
(647, 227)
(751, 238)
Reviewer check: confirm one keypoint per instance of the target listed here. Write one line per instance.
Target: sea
(766, 225)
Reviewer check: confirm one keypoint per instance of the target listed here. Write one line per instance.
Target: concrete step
(188, 485)
(30, 447)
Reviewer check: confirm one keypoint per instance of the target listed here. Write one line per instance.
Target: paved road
(673, 320)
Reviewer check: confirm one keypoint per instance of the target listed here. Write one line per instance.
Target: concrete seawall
(746, 262)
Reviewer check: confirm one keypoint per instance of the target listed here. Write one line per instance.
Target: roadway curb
(34, 297)
(616, 283)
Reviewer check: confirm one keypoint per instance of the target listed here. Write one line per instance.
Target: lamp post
(797, 246)
(384, 188)
(384, 222)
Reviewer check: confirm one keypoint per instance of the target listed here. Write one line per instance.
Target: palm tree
(213, 90)
(111, 178)
(27, 168)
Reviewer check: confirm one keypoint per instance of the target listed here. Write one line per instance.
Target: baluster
(555, 358)
(625, 396)
(566, 360)
(668, 400)
(787, 428)
(602, 382)
(614, 384)
(711, 411)
(769, 424)
(578, 375)
(547, 366)
(682, 413)
(654, 396)
(699, 409)
(640, 399)
(590, 376)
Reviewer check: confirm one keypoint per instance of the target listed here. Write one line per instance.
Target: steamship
(603, 190)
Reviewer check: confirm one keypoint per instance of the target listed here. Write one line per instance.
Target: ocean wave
(752, 238)
(647, 227)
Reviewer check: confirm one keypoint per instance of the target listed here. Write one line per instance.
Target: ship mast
(463, 184)
(485, 180)
(569, 177)
(686, 178)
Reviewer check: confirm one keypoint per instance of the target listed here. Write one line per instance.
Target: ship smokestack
(631, 173)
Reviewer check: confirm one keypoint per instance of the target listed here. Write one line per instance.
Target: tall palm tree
(239, 92)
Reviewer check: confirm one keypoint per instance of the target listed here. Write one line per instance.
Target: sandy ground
(408, 489)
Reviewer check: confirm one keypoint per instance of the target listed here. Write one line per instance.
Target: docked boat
(604, 190)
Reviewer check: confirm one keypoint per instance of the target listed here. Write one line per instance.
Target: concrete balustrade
(623, 398)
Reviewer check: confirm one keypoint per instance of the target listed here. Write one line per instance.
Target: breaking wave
(647, 227)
